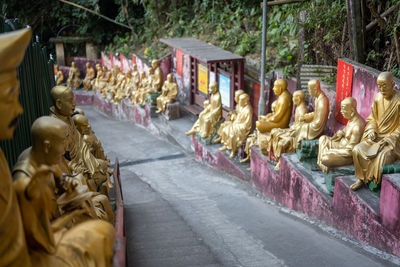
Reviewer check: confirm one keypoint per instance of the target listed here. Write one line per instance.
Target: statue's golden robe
(89, 243)
(384, 120)
(13, 248)
(315, 121)
(207, 122)
(81, 159)
(280, 118)
(235, 133)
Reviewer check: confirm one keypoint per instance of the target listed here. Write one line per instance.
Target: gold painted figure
(231, 118)
(336, 151)
(158, 76)
(136, 95)
(281, 140)
(90, 75)
(46, 230)
(99, 74)
(210, 116)
(314, 122)
(83, 126)
(234, 134)
(81, 159)
(13, 248)
(74, 77)
(168, 94)
(60, 76)
(380, 144)
(280, 118)
(147, 87)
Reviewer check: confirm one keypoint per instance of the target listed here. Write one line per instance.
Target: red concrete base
(360, 215)
(210, 155)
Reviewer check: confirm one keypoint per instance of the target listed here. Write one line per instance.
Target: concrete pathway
(182, 213)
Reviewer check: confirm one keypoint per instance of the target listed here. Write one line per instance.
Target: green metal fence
(36, 77)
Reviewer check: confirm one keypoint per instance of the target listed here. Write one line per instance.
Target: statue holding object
(168, 94)
(210, 116)
(380, 143)
(336, 151)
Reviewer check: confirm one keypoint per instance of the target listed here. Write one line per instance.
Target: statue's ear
(58, 104)
(46, 146)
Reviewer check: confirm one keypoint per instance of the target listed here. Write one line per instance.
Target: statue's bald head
(350, 101)
(314, 87)
(386, 84)
(63, 100)
(298, 97)
(238, 93)
(348, 107)
(48, 138)
(81, 123)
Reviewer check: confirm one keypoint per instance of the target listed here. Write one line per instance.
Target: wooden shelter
(209, 63)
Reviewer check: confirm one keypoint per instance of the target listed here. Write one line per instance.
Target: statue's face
(243, 101)
(10, 108)
(66, 103)
(313, 89)
(154, 64)
(213, 88)
(277, 88)
(296, 99)
(83, 127)
(347, 110)
(169, 77)
(386, 88)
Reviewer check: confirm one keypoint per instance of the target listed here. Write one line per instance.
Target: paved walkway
(182, 213)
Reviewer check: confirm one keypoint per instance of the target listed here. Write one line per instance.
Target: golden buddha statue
(210, 116)
(136, 95)
(158, 77)
(90, 75)
(122, 87)
(380, 143)
(146, 87)
(168, 94)
(283, 109)
(60, 76)
(250, 141)
(74, 77)
(45, 228)
(104, 80)
(231, 117)
(314, 122)
(135, 79)
(234, 134)
(83, 126)
(281, 140)
(99, 74)
(336, 151)
(13, 248)
(81, 160)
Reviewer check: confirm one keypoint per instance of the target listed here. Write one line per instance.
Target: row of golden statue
(368, 145)
(56, 210)
(117, 85)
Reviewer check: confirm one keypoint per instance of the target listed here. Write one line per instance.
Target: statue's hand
(371, 135)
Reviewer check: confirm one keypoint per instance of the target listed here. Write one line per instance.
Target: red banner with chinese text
(111, 60)
(343, 87)
(179, 62)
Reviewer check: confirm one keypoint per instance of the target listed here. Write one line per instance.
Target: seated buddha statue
(231, 117)
(168, 94)
(281, 140)
(336, 151)
(136, 95)
(74, 77)
(210, 117)
(380, 143)
(158, 76)
(90, 75)
(146, 88)
(283, 109)
(80, 159)
(104, 80)
(99, 74)
(234, 134)
(60, 76)
(47, 229)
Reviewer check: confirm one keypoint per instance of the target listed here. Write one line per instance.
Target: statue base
(172, 111)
